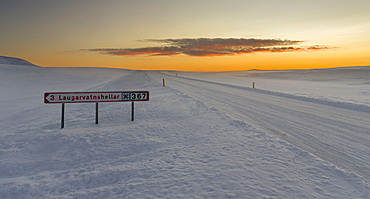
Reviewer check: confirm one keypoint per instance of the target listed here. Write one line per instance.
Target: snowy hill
(14, 61)
(197, 137)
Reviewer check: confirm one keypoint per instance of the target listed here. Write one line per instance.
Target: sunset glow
(188, 35)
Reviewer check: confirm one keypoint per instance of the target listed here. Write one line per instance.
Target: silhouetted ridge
(15, 61)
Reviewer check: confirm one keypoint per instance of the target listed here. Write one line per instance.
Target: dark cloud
(224, 42)
(203, 47)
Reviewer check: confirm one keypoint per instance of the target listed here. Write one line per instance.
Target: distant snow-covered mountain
(15, 61)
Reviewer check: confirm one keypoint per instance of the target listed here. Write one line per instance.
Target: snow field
(177, 147)
(347, 85)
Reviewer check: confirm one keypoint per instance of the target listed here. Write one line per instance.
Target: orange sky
(206, 35)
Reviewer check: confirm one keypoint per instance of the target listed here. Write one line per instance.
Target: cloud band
(204, 47)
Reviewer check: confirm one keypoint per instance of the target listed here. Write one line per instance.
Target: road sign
(106, 96)
(85, 97)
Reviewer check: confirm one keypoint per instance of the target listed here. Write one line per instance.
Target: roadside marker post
(88, 97)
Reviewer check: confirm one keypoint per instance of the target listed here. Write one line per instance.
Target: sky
(191, 35)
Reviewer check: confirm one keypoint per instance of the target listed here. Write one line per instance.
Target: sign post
(88, 97)
(62, 122)
(132, 111)
(96, 112)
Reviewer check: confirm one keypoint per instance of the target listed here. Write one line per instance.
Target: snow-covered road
(334, 132)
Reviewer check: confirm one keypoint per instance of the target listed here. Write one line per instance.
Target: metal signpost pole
(96, 112)
(132, 111)
(62, 122)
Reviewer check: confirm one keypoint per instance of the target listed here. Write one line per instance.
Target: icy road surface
(336, 132)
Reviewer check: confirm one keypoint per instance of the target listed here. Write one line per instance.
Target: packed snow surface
(200, 136)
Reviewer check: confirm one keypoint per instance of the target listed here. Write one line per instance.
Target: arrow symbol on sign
(49, 97)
